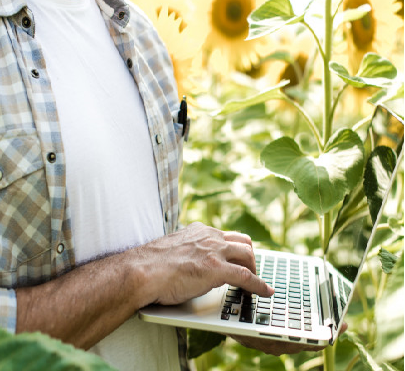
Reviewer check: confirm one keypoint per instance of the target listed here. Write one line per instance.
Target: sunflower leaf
(374, 71)
(36, 351)
(350, 15)
(321, 182)
(377, 174)
(391, 99)
(236, 105)
(270, 17)
(388, 260)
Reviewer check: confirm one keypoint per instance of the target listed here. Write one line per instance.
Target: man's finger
(240, 253)
(242, 277)
(237, 237)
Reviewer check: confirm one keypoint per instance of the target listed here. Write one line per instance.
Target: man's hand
(194, 260)
(277, 348)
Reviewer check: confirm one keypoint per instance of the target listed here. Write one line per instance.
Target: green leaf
(388, 260)
(368, 362)
(207, 178)
(270, 17)
(35, 351)
(391, 99)
(236, 105)
(200, 342)
(321, 182)
(350, 15)
(390, 328)
(247, 223)
(373, 71)
(377, 174)
(387, 367)
(397, 226)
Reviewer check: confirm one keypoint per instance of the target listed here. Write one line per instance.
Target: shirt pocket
(25, 212)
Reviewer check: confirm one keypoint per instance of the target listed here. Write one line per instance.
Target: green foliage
(379, 168)
(374, 71)
(202, 341)
(272, 16)
(338, 175)
(236, 105)
(388, 260)
(321, 183)
(35, 351)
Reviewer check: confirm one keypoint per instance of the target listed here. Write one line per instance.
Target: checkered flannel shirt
(36, 241)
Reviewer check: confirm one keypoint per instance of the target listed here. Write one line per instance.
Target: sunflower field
(275, 87)
(267, 78)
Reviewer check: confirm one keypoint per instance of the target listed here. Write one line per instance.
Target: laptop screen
(355, 230)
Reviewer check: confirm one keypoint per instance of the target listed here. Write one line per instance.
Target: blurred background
(224, 183)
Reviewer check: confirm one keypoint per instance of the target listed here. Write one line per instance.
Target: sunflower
(183, 34)
(375, 32)
(226, 45)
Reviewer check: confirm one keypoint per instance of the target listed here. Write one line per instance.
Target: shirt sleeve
(8, 309)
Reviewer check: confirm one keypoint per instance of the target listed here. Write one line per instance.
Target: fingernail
(270, 290)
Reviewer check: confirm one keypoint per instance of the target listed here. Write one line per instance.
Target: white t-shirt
(110, 170)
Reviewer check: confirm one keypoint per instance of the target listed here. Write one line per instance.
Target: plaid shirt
(36, 242)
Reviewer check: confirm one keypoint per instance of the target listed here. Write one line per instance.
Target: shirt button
(35, 73)
(158, 138)
(129, 63)
(26, 22)
(60, 248)
(51, 157)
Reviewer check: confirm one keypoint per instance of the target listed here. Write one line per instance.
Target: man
(89, 158)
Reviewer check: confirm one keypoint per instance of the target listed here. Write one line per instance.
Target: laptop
(311, 294)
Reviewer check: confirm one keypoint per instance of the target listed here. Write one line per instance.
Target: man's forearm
(84, 305)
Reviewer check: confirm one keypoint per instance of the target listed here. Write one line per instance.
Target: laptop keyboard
(289, 307)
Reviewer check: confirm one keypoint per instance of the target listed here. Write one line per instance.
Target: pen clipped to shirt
(183, 119)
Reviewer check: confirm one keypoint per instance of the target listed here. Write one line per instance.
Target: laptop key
(294, 305)
(278, 317)
(294, 300)
(294, 316)
(278, 323)
(279, 305)
(226, 310)
(262, 319)
(307, 327)
(307, 321)
(225, 316)
(294, 311)
(278, 311)
(263, 305)
(246, 316)
(293, 324)
(263, 310)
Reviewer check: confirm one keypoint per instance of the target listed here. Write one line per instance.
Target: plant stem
(286, 222)
(352, 363)
(335, 103)
(316, 38)
(310, 122)
(329, 352)
(327, 83)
